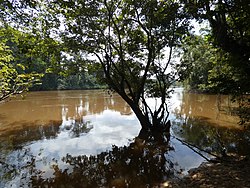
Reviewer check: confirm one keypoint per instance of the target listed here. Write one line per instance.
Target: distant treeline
(72, 82)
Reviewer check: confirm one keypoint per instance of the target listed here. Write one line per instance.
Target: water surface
(43, 134)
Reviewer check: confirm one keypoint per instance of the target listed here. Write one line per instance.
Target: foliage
(79, 73)
(30, 61)
(78, 81)
(129, 39)
(206, 68)
(230, 31)
(72, 74)
(131, 44)
(14, 79)
(196, 61)
(41, 49)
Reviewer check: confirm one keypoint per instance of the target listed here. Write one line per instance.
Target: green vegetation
(208, 69)
(220, 62)
(128, 39)
(127, 45)
(31, 62)
(15, 73)
(229, 45)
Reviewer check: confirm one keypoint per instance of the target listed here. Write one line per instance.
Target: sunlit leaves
(16, 75)
(230, 31)
(128, 38)
(209, 69)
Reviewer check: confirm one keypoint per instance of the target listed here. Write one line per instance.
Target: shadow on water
(205, 122)
(210, 137)
(75, 150)
(140, 164)
(17, 159)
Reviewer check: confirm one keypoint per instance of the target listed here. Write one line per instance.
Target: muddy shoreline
(233, 172)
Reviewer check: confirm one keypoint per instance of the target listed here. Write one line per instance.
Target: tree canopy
(16, 74)
(133, 41)
(230, 31)
(208, 69)
(129, 39)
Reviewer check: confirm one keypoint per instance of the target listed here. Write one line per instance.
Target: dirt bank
(233, 173)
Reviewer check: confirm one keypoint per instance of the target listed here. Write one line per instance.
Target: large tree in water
(133, 40)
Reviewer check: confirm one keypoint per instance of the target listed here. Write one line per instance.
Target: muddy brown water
(47, 137)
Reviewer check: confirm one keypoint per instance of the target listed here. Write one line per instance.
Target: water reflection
(211, 137)
(200, 120)
(72, 133)
(213, 108)
(90, 122)
(140, 164)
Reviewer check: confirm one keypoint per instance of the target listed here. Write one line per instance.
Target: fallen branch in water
(191, 146)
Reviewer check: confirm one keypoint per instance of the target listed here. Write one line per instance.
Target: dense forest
(136, 46)
(138, 51)
(210, 62)
(28, 62)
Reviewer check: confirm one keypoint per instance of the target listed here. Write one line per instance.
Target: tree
(132, 40)
(197, 57)
(230, 31)
(13, 76)
(207, 68)
(129, 39)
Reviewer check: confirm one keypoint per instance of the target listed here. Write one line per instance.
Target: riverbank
(229, 173)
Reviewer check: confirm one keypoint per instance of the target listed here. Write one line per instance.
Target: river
(45, 137)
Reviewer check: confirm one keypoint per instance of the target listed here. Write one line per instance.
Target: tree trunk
(144, 121)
